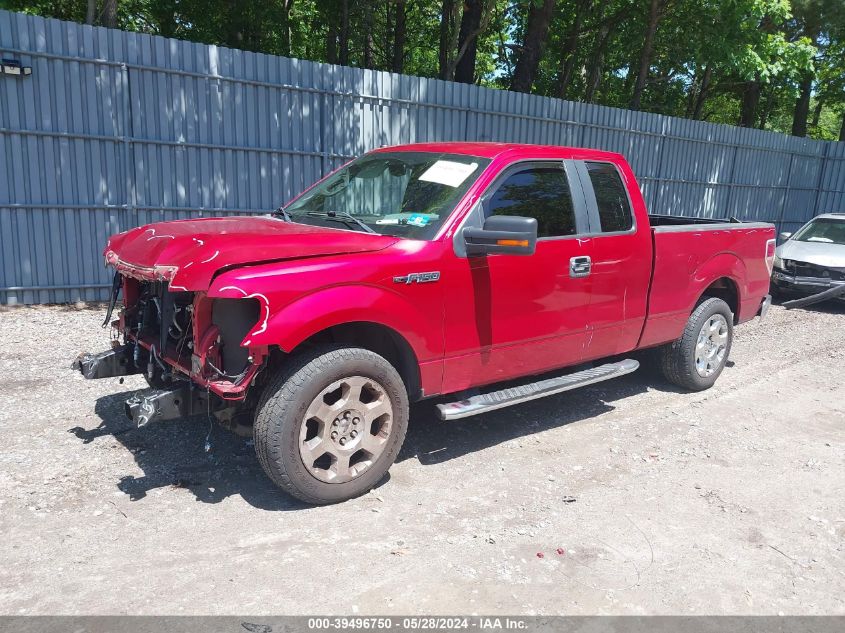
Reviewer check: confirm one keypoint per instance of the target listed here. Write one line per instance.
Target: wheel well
(725, 289)
(377, 338)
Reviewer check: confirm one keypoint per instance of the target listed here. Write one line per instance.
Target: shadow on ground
(433, 441)
(172, 453)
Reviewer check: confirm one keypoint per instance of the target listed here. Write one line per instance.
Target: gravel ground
(627, 497)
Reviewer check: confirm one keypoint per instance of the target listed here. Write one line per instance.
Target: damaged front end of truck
(192, 349)
(201, 341)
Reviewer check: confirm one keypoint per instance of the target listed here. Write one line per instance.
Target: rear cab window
(613, 208)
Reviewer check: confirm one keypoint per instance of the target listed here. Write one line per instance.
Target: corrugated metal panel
(116, 129)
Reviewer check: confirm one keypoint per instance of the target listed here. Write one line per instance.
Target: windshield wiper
(346, 218)
(285, 215)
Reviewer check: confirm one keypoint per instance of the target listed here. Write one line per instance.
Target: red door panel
(621, 271)
(515, 315)
(522, 315)
(621, 259)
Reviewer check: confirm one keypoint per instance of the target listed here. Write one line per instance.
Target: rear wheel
(696, 360)
(331, 424)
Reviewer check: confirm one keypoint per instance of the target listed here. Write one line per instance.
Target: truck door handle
(580, 266)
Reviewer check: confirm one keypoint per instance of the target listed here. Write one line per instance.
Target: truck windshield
(826, 230)
(404, 194)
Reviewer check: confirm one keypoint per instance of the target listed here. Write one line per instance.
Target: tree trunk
(567, 55)
(447, 10)
(91, 12)
(536, 33)
(468, 41)
(367, 60)
(702, 92)
(802, 107)
(343, 39)
(331, 41)
(232, 34)
(596, 63)
(692, 93)
(163, 16)
(750, 101)
(399, 37)
(817, 113)
(768, 104)
(287, 5)
(110, 13)
(654, 16)
(842, 129)
(631, 75)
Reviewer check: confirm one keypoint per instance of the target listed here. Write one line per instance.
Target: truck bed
(658, 220)
(688, 254)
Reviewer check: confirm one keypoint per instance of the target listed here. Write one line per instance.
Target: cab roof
(512, 150)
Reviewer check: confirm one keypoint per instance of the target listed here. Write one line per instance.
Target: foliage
(773, 64)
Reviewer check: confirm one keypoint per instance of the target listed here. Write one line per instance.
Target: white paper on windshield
(448, 172)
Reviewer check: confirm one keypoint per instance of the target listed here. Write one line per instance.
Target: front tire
(330, 425)
(696, 360)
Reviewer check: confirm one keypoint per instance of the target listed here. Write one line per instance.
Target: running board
(514, 395)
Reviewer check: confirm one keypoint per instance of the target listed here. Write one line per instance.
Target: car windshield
(825, 230)
(405, 194)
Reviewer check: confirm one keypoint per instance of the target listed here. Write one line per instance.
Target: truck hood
(816, 253)
(188, 253)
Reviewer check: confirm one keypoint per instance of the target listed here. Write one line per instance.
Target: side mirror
(785, 236)
(502, 234)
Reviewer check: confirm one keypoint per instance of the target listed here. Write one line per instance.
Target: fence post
(466, 123)
(822, 169)
(731, 182)
(324, 106)
(324, 125)
(779, 224)
(658, 178)
(128, 154)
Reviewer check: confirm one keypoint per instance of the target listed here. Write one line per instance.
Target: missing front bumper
(113, 362)
(167, 404)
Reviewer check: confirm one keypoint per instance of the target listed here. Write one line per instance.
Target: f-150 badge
(417, 278)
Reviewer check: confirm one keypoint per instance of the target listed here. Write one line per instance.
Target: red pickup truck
(472, 270)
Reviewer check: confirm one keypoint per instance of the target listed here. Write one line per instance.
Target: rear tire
(330, 425)
(696, 360)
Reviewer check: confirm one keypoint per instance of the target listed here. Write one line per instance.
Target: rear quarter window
(611, 198)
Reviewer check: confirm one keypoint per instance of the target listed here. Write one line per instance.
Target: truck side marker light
(512, 243)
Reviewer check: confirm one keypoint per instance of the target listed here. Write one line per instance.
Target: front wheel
(331, 424)
(696, 360)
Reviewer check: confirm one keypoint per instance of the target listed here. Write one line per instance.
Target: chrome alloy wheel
(711, 346)
(345, 429)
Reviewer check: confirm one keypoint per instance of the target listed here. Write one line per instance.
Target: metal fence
(113, 130)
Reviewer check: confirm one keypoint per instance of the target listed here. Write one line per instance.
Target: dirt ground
(628, 497)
